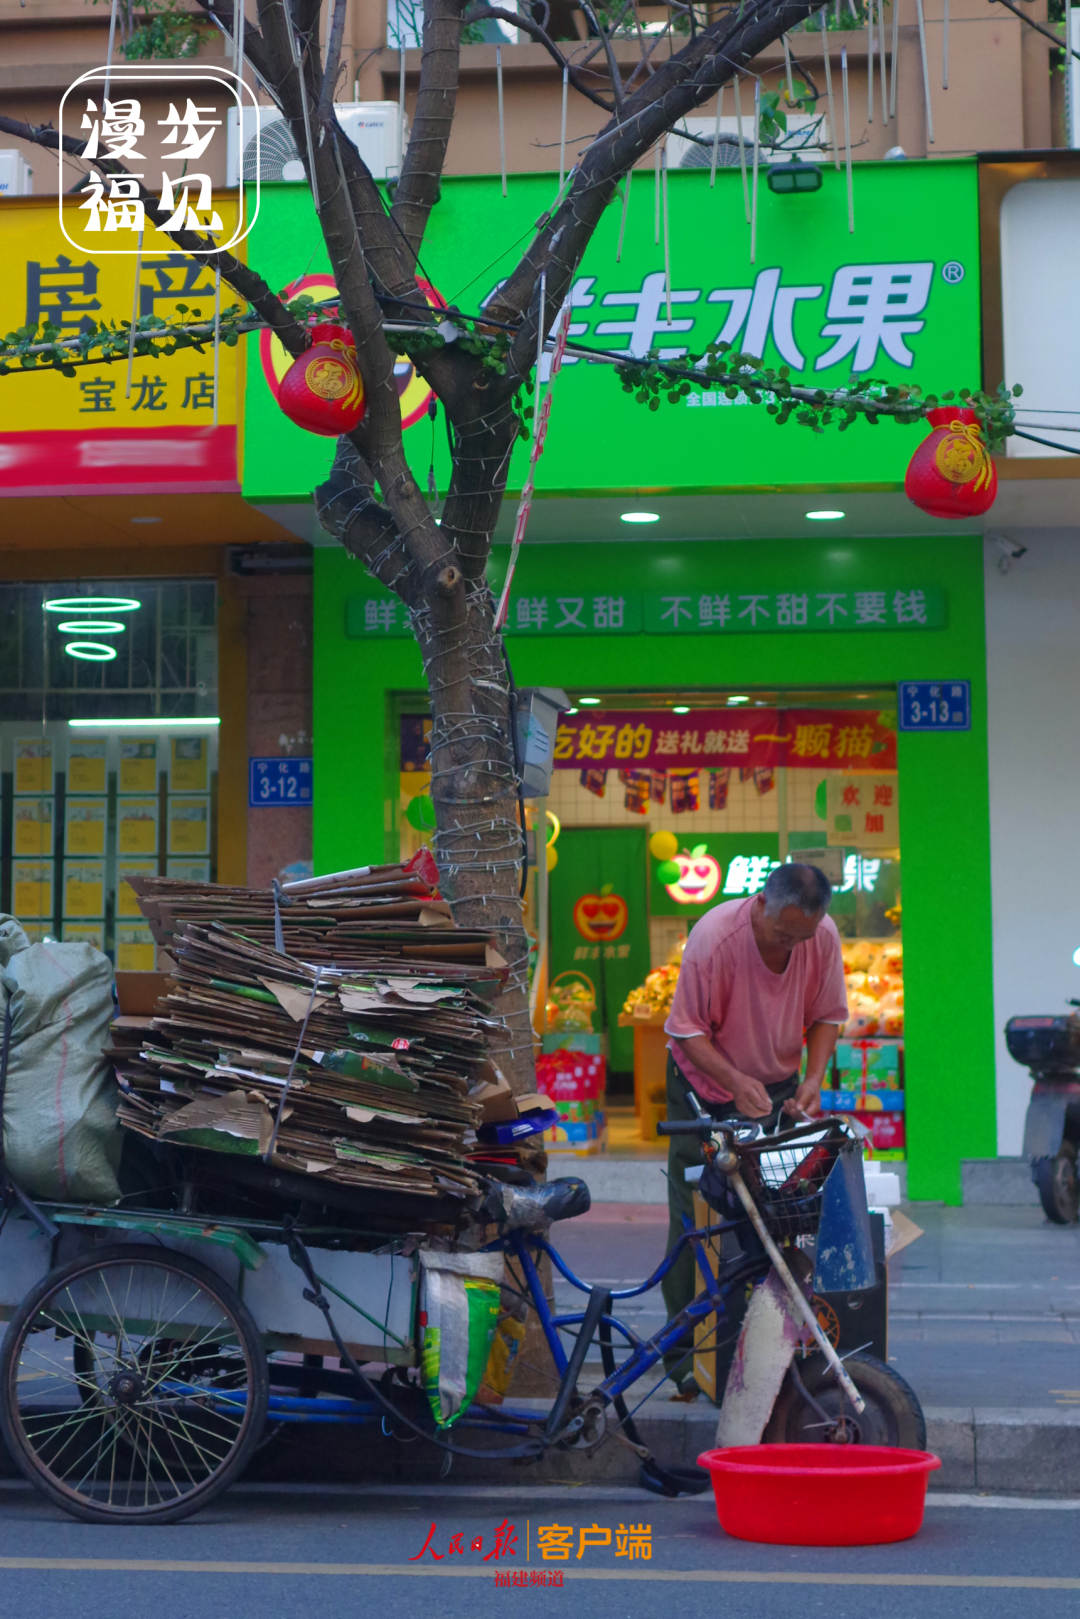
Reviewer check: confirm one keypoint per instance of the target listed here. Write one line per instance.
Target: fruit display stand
(645, 1011)
(868, 1066)
(650, 1068)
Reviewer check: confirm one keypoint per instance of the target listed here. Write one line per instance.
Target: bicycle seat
(529, 1208)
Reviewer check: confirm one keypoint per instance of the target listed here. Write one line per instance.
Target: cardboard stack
(357, 1053)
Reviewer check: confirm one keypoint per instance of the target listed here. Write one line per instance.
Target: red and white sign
(754, 738)
(119, 460)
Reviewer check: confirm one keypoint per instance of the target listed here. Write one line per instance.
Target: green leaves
(31, 348)
(651, 381)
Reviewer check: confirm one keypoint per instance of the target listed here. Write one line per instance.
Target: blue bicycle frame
(644, 1353)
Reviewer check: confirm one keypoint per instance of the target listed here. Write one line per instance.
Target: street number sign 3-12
(279, 783)
(935, 705)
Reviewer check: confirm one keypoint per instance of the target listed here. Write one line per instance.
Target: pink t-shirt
(752, 1017)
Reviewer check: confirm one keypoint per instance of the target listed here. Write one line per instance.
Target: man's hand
(750, 1096)
(807, 1099)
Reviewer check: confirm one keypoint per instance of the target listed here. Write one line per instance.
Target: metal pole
(716, 136)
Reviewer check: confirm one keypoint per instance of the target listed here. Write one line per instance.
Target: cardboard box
(878, 1061)
(137, 993)
(573, 1040)
(497, 1100)
(870, 1101)
(577, 1136)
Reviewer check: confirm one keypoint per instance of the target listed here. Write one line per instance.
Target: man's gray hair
(806, 887)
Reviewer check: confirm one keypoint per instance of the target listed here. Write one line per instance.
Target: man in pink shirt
(759, 977)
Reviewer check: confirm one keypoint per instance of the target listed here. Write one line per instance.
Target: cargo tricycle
(149, 1350)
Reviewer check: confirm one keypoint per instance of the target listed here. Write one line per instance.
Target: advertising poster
(135, 949)
(138, 770)
(599, 924)
(188, 871)
(127, 906)
(32, 828)
(136, 826)
(863, 811)
(84, 889)
(85, 933)
(189, 826)
(189, 764)
(84, 826)
(86, 765)
(33, 764)
(32, 888)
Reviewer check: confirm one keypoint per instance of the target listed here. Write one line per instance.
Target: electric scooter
(1050, 1048)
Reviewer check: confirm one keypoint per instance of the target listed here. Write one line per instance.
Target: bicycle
(136, 1383)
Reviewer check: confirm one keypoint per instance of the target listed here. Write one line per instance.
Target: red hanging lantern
(952, 473)
(323, 390)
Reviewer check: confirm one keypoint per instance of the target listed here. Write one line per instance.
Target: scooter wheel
(1059, 1189)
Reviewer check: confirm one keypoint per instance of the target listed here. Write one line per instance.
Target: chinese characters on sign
(849, 739)
(693, 612)
(863, 810)
(865, 318)
(551, 1542)
(927, 705)
(274, 782)
(165, 179)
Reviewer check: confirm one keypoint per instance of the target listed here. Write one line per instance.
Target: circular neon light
(92, 604)
(92, 626)
(90, 651)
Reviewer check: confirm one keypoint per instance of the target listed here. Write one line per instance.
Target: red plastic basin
(819, 1495)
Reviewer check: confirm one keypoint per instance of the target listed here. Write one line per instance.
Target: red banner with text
(755, 738)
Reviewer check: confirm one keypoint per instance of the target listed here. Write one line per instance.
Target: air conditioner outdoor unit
(376, 128)
(684, 153)
(16, 176)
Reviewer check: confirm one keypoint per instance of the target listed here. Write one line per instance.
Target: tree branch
(240, 277)
(223, 13)
(680, 84)
(609, 55)
(433, 118)
(334, 40)
(516, 19)
(348, 510)
(379, 437)
(1061, 43)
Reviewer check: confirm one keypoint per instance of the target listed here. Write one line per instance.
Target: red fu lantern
(323, 390)
(952, 474)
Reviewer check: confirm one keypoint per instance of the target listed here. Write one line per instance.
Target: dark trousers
(681, 1284)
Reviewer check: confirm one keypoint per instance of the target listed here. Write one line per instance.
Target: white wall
(1040, 249)
(1033, 669)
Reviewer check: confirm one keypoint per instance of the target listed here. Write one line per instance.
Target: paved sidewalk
(984, 1323)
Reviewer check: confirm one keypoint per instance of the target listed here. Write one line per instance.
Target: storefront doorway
(671, 804)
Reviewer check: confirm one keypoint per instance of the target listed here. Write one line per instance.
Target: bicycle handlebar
(687, 1127)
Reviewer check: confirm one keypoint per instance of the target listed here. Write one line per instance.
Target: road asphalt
(362, 1549)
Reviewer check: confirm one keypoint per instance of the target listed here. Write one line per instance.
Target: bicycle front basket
(786, 1174)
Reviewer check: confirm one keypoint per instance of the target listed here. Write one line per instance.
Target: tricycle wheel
(1059, 1192)
(893, 1415)
(133, 1386)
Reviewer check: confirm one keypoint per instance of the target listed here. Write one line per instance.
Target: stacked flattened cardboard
(341, 1031)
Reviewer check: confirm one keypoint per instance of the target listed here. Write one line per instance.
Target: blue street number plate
(279, 782)
(935, 705)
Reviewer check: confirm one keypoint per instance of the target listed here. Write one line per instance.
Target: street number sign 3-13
(935, 705)
(279, 783)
